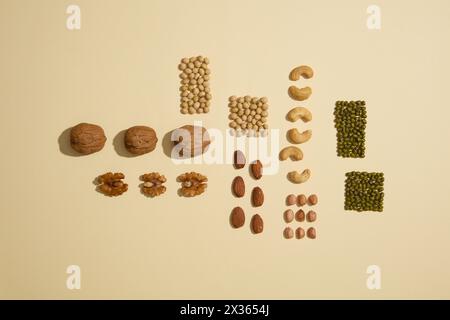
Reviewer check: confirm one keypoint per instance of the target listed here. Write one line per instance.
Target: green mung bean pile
(350, 123)
(364, 191)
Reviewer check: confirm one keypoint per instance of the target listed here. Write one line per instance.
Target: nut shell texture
(140, 140)
(87, 138)
(199, 140)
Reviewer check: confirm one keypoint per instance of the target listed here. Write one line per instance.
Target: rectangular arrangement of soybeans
(195, 93)
(248, 115)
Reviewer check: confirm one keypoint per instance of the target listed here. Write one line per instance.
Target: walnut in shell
(111, 184)
(191, 141)
(153, 184)
(140, 140)
(87, 138)
(192, 184)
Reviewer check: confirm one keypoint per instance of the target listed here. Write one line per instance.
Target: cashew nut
(299, 113)
(302, 71)
(291, 152)
(299, 94)
(297, 177)
(296, 137)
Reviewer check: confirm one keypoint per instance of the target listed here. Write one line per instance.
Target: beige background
(120, 70)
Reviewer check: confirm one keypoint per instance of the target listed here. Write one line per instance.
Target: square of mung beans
(364, 191)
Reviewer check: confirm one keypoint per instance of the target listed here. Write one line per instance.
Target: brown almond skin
(237, 217)
(257, 168)
(311, 233)
(299, 233)
(311, 216)
(238, 187)
(257, 224)
(257, 197)
(300, 215)
(238, 159)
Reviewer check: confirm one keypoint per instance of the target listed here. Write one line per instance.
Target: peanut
(288, 216)
(288, 233)
(290, 200)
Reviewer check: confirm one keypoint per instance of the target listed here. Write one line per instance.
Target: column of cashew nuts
(294, 135)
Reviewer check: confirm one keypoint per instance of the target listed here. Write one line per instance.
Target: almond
(257, 197)
(239, 159)
(237, 217)
(238, 187)
(256, 168)
(257, 224)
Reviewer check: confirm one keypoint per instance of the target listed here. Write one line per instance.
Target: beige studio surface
(120, 70)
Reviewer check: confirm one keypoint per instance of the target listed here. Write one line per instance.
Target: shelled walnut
(153, 184)
(192, 184)
(111, 184)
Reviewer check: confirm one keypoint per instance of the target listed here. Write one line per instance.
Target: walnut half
(153, 184)
(111, 184)
(192, 184)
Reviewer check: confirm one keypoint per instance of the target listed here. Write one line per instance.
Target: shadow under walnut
(64, 144)
(167, 144)
(119, 145)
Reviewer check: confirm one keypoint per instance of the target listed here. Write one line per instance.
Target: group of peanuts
(300, 216)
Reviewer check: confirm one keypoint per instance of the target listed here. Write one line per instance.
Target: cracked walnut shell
(190, 141)
(153, 184)
(192, 184)
(111, 184)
